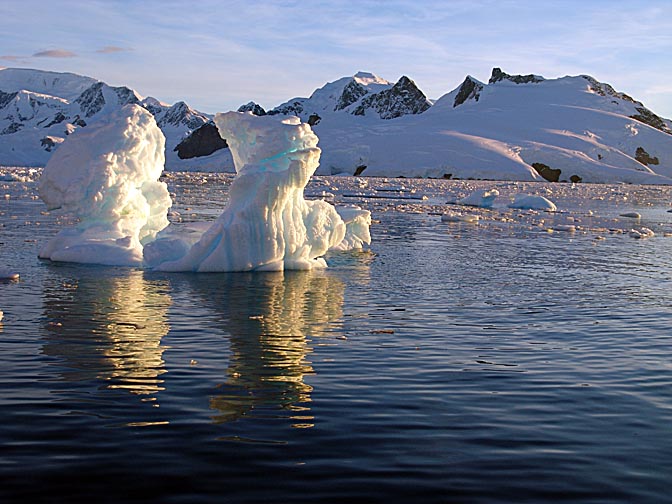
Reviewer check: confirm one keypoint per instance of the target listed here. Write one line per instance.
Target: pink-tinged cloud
(9, 57)
(112, 49)
(54, 53)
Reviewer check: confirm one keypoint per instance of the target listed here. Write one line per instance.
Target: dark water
(496, 362)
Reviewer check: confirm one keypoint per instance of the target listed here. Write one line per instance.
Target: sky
(217, 55)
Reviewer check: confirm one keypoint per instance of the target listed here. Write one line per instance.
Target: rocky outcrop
(201, 142)
(351, 94)
(498, 76)
(180, 115)
(255, 108)
(48, 143)
(604, 89)
(647, 117)
(643, 157)
(294, 107)
(313, 119)
(6, 98)
(550, 174)
(57, 119)
(401, 99)
(470, 89)
(12, 128)
(92, 100)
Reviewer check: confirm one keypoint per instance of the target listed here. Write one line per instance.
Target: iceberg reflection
(108, 328)
(271, 318)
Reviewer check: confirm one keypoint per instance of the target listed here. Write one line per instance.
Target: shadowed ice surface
(521, 357)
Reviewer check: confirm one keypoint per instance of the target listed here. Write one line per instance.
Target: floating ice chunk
(566, 228)
(8, 275)
(357, 227)
(642, 233)
(484, 198)
(531, 202)
(631, 215)
(267, 224)
(1, 315)
(107, 175)
(458, 217)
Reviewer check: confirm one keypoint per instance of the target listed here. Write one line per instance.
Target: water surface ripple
(503, 361)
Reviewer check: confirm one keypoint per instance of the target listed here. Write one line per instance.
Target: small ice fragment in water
(8, 275)
(631, 215)
(531, 202)
(483, 198)
(458, 217)
(567, 228)
(642, 233)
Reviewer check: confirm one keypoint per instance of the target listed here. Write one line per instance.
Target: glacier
(107, 175)
(267, 224)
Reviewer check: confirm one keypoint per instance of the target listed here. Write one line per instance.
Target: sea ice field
(473, 352)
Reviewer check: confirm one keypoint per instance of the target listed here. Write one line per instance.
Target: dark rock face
(498, 75)
(92, 101)
(202, 141)
(255, 108)
(648, 117)
(180, 114)
(47, 144)
(359, 170)
(152, 108)
(313, 119)
(401, 99)
(603, 89)
(58, 118)
(12, 128)
(575, 179)
(6, 98)
(78, 121)
(547, 172)
(469, 90)
(643, 157)
(125, 95)
(351, 93)
(291, 108)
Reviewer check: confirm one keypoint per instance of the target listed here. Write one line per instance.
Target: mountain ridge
(514, 127)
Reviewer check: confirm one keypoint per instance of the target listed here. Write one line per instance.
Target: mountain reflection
(271, 318)
(108, 326)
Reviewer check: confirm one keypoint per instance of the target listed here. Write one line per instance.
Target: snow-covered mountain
(515, 127)
(364, 94)
(39, 109)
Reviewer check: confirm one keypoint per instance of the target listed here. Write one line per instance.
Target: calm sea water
(451, 362)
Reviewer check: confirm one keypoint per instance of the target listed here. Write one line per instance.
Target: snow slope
(502, 130)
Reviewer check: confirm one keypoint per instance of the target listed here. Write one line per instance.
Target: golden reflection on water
(272, 318)
(109, 328)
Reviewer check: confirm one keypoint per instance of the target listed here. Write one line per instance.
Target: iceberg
(107, 176)
(267, 224)
(483, 198)
(531, 202)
